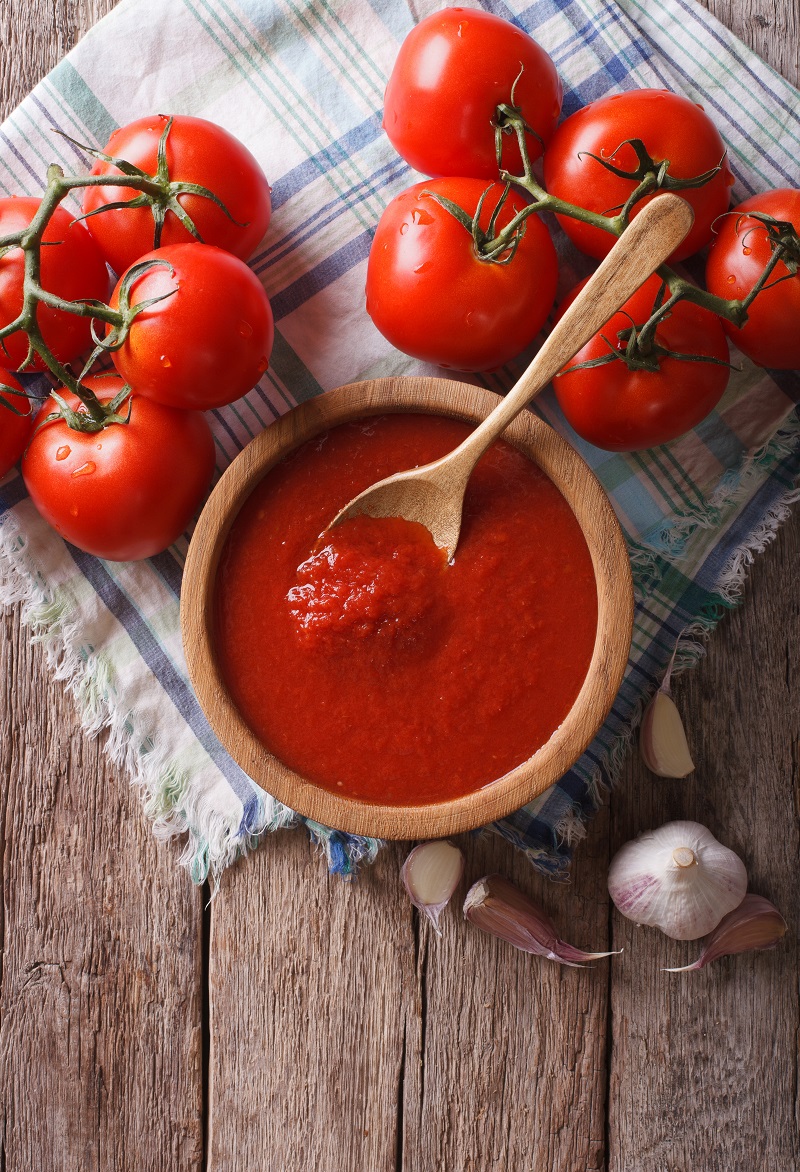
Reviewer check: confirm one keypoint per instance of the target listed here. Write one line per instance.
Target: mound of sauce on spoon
(367, 664)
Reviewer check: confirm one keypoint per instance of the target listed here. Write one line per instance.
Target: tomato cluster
(462, 273)
(118, 464)
(429, 290)
(462, 277)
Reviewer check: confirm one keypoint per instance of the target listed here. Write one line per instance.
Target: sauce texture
(366, 663)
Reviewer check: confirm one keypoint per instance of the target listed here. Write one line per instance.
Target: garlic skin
(430, 875)
(677, 878)
(754, 926)
(662, 740)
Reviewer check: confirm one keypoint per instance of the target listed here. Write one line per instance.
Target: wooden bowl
(614, 623)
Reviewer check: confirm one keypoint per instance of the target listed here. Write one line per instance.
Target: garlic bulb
(677, 878)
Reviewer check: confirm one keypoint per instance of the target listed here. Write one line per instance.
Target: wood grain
(100, 1023)
(770, 27)
(607, 548)
(511, 1066)
(100, 993)
(312, 992)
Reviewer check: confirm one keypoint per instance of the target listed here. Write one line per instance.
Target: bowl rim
(607, 547)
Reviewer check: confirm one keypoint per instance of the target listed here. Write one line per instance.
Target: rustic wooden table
(300, 1023)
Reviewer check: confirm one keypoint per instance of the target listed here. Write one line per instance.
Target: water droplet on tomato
(165, 361)
(468, 318)
(85, 469)
(731, 279)
(418, 216)
(747, 251)
(700, 105)
(73, 512)
(425, 267)
(63, 452)
(403, 229)
(462, 24)
(245, 329)
(262, 366)
(729, 180)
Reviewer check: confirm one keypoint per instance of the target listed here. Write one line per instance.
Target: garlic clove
(677, 878)
(754, 925)
(662, 739)
(496, 906)
(431, 873)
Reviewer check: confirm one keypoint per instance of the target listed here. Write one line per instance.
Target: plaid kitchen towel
(301, 83)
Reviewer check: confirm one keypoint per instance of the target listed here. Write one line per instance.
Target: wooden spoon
(433, 494)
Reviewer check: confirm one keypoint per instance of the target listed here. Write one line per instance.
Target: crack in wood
(423, 1005)
(401, 1085)
(205, 1023)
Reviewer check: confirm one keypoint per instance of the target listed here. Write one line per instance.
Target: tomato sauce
(368, 664)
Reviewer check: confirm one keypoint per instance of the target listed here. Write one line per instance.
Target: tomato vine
(650, 176)
(157, 191)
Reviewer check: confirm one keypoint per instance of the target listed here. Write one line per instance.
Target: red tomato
(451, 73)
(671, 127)
(197, 152)
(738, 256)
(71, 267)
(430, 295)
(126, 492)
(205, 344)
(15, 429)
(624, 410)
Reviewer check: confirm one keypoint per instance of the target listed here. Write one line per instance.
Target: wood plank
(312, 988)
(704, 1065)
(512, 1048)
(100, 1002)
(100, 1016)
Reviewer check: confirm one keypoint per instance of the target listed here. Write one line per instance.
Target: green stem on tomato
(162, 195)
(734, 311)
(30, 241)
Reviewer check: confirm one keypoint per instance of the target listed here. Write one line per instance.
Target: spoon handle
(645, 244)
